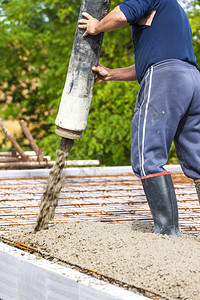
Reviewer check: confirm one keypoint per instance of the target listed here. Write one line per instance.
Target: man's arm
(114, 20)
(121, 74)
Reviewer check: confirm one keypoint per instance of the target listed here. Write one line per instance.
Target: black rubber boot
(161, 198)
(197, 185)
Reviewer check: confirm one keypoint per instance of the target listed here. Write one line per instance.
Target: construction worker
(168, 102)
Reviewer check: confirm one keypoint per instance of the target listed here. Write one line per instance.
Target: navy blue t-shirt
(168, 37)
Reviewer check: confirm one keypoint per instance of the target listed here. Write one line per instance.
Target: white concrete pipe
(76, 98)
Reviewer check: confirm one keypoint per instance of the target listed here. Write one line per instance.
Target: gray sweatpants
(167, 109)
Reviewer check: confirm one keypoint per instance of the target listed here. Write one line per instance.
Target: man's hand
(113, 20)
(89, 24)
(102, 73)
(120, 74)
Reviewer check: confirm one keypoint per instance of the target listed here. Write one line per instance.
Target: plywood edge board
(84, 171)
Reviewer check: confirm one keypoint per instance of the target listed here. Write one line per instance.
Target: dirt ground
(128, 252)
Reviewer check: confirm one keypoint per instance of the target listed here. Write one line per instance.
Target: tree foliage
(193, 15)
(36, 39)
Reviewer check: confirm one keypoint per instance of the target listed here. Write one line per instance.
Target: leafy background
(36, 39)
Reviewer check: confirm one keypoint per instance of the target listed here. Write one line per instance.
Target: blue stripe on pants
(167, 109)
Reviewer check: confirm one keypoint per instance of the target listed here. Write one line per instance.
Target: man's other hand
(102, 73)
(89, 24)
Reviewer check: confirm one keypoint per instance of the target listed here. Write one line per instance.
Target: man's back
(168, 37)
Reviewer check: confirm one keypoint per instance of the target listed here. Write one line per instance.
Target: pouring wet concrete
(128, 252)
(55, 183)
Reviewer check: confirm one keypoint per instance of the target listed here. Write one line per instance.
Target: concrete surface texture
(129, 253)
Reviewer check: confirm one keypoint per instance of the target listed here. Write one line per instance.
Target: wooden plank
(10, 153)
(13, 141)
(7, 159)
(47, 164)
(6, 153)
(82, 163)
(39, 152)
(23, 164)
